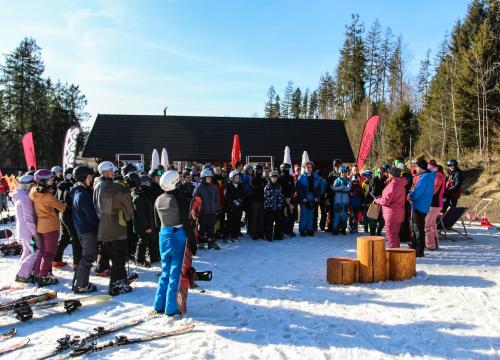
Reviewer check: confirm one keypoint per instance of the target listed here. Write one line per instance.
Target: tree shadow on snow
(262, 325)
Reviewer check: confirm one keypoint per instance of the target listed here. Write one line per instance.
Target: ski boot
(85, 289)
(120, 287)
(47, 280)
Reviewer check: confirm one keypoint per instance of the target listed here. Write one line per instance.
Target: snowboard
(5, 234)
(186, 272)
(20, 343)
(124, 341)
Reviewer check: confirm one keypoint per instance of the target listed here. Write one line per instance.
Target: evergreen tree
(286, 103)
(424, 76)
(401, 127)
(277, 106)
(384, 64)
(326, 96)
(305, 103)
(269, 108)
(296, 106)
(373, 58)
(395, 82)
(313, 106)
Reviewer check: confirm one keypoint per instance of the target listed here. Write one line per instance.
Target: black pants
(273, 224)
(288, 221)
(132, 239)
(88, 244)
(449, 202)
(418, 232)
(221, 221)
(257, 220)
(376, 225)
(207, 226)
(154, 253)
(404, 232)
(68, 235)
(103, 258)
(323, 209)
(118, 252)
(144, 244)
(233, 226)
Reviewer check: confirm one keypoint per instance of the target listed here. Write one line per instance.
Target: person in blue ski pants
(308, 185)
(172, 245)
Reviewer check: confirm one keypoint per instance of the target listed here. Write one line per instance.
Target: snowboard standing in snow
(124, 341)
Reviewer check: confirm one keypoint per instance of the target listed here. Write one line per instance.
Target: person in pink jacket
(431, 230)
(26, 228)
(393, 205)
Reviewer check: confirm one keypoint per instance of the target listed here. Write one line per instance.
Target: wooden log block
(372, 258)
(402, 263)
(341, 270)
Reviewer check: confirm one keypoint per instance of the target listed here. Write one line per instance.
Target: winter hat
(400, 165)
(394, 171)
(422, 164)
(432, 166)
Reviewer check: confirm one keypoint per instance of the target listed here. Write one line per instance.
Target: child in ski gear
(453, 186)
(308, 194)
(233, 195)
(86, 225)
(114, 205)
(377, 185)
(421, 200)
(392, 201)
(431, 230)
(256, 223)
(208, 215)
(273, 208)
(356, 199)
(67, 234)
(168, 216)
(46, 208)
(26, 228)
(143, 220)
(341, 187)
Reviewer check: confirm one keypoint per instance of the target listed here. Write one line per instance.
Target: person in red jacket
(393, 206)
(4, 193)
(431, 230)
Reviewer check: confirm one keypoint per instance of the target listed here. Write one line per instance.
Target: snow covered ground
(272, 301)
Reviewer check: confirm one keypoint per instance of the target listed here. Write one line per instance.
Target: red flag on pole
(29, 150)
(236, 153)
(367, 140)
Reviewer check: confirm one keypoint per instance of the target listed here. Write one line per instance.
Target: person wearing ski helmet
(308, 187)
(233, 196)
(356, 200)
(273, 208)
(144, 223)
(139, 167)
(128, 168)
(256, 198)
(335, 173)
(114, 209)
(46, 208)
(26, 228)
(67, 233)
(453, 186)
(58, 174)
(195, 177)
(208, 215)
(287, 184)
(220, 182)
(171, 214)
(341, 188)
(246, 183)
(86, 225)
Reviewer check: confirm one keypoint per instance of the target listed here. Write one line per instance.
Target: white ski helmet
(233, 173)
(26, 182)
(169, 180)
(206, 173)
(105, 166)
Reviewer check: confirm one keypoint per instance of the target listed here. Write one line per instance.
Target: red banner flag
(29, 150)
(367, 140)
(236, 153)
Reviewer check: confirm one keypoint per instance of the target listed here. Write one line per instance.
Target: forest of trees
(450, 109)
(30, 102)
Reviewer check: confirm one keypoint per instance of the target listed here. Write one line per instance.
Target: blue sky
(203, 57)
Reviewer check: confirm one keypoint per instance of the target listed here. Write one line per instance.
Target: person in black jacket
(86, 224)
(67, 234)
(152, 192)
(210, 197)
(377, 185)
(256, 225)
(143, 222)
(288, 187)
(233, 203)
(273, 208)
(453, 185)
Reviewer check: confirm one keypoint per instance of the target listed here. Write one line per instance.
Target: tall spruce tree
(286, 102)
(296, 106)
(269, 108)
(313, 106)
(305, 104)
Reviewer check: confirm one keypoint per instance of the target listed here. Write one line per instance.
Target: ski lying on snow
(27, 300)
(124, 341)
(8, 334)
(14, 345)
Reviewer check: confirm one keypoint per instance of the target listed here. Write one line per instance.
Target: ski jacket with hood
(307, 186)
(341, 187)
(273, 196)
(393, 200)
(83, 210)
(46, 207)
(421, 196)
(209, 196)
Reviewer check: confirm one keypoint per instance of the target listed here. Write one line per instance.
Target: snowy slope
(271, 301)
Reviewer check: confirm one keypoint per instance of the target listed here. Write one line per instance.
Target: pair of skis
(84, 345)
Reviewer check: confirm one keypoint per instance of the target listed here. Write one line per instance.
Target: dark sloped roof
(204, 138)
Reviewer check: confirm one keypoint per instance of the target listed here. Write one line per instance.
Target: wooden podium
(401, 264)
(372, 258)
(342, 270)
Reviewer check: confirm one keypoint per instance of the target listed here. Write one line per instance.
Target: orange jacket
(46, 208)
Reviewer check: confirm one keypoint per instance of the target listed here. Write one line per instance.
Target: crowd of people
(117, 215)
